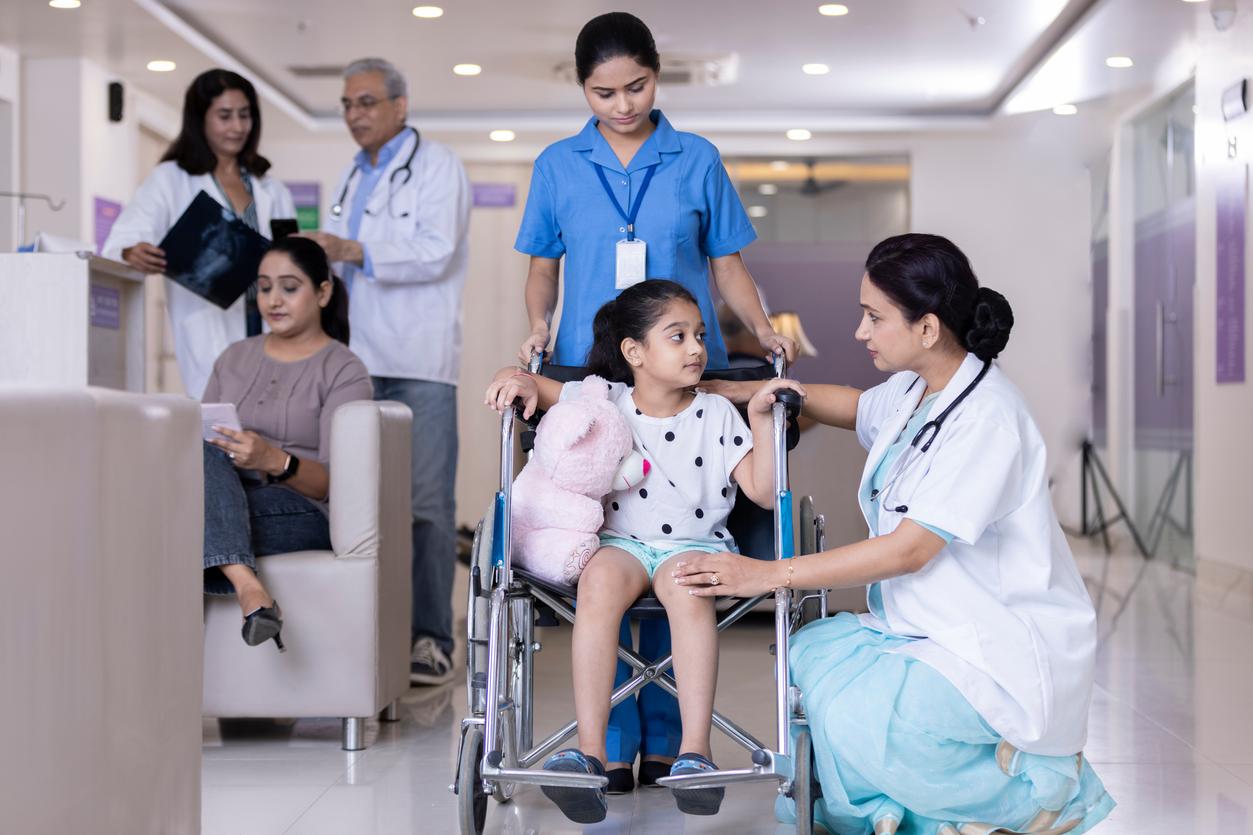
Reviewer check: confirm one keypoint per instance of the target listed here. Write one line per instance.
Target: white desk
(71, 320)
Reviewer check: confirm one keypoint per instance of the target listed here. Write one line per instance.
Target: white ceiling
(895, 64)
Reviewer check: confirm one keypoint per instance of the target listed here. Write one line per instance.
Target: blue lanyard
(639, 197)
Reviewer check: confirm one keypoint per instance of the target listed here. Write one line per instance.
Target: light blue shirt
(691, 213)
(879, 478)
(369, 174)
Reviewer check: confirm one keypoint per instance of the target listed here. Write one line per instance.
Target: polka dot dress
(689, 491)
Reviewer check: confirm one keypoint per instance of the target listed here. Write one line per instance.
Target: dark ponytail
(924, 274)
(311, 259)
(614, 35)
(630, 316)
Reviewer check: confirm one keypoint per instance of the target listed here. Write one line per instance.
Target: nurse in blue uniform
(627, 199)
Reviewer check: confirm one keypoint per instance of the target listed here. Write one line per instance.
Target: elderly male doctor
(397, 229)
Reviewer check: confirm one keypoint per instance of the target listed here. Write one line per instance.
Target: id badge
(632, 256)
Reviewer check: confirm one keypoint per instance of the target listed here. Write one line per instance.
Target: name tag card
(631, 260)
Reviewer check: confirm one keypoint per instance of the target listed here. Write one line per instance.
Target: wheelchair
(497, 748)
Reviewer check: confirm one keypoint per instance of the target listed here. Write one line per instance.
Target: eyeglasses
(365, 104)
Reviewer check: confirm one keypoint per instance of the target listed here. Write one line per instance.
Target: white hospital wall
(1224, 446)
(10, 149)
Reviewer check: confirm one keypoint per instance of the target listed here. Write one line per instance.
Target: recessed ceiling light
(779, 165)
(1119, 62)
(833, 9)
(65, 4)
(1065, 110)
(799, 134)
(502, 136)
(467, 69)
(162, 66)
(815, 69)
(758, 211)
(428, 12)
(1194, 1)
(768, 189)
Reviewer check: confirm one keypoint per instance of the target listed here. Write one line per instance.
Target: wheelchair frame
(497, 747)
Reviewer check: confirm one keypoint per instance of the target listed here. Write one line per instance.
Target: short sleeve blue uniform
(690, 213)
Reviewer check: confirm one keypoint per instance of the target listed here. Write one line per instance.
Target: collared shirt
(691, 213)
(369, 174)
(406, 304)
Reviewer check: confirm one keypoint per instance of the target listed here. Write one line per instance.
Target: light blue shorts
(652, 558)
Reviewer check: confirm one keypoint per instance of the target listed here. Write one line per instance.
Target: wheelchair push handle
(791, 400)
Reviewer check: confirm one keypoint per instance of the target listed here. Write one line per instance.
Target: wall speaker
(115, 101)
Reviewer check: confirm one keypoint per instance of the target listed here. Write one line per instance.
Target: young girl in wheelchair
(649, 343)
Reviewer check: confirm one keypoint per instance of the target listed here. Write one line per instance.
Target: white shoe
(429, 664)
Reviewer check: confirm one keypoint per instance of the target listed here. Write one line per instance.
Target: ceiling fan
(811, 187)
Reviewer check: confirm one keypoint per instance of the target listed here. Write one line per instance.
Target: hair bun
(990, 325)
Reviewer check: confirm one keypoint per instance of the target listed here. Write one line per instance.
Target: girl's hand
(763, 400)
(534, 344)
(502, 392)
(725, 573)
(777, 344)
(249, 451)
(738, 392)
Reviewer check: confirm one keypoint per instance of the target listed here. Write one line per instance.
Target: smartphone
(218, 414)
(281, 227)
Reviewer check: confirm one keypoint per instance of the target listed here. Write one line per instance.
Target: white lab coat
(406, 315)
(1001, 612)
(202, 330)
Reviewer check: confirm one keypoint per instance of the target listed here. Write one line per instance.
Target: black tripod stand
(1093, 475)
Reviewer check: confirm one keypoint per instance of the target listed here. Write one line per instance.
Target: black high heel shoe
(260, 625)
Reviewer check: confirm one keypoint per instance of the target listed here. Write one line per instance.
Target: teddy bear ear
(566, 426)
(594, 388)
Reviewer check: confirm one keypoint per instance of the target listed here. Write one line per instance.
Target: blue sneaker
(696, 801)
(581, 805)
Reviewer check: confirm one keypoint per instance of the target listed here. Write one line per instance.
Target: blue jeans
(434, 475)
(246, 519)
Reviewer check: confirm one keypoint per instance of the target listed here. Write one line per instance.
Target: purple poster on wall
(1232, 199)
(106, 213)
(494, 195)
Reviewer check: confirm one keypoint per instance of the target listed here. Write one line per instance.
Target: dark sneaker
(650, 770)
(429, 664)
(578, 804)
(696, 801)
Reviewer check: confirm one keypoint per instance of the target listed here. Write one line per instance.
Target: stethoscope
(337, 208)
(922, 442)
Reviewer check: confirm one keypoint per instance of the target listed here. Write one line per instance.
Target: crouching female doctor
(958, 705)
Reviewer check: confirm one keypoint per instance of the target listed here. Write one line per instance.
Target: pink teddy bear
(584, 449)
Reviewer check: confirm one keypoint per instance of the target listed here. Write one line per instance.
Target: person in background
(215, 152)
(398, 234)
(266, 486)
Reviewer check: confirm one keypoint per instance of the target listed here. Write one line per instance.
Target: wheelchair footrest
(713, 779)
(539, 777)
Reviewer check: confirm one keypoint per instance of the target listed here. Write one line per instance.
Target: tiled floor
(1171, 734)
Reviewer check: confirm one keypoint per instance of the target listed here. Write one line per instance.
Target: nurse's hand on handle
(534, 344)
(145, 257)
(776, 343)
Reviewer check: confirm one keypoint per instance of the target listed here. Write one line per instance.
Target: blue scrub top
(691, 213)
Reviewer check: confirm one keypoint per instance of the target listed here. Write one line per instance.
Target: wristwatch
(289, 470)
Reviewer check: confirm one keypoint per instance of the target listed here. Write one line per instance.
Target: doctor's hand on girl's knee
(727, 574)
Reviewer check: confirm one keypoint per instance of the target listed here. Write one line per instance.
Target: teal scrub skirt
(899, 749)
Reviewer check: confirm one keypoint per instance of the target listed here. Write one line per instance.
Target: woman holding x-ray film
(959, 703)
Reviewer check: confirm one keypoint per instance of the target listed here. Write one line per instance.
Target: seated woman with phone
(267, 477)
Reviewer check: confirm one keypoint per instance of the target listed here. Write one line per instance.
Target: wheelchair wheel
(471, 799)
(805, 783)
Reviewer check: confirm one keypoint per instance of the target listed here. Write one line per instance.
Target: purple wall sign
(104, 307)
(307, 198)
(1232, 199)
(106, 213)
(495, 195)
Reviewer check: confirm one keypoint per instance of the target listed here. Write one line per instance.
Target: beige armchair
(101, 519)
(345, 611)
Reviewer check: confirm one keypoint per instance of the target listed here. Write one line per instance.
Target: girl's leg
(694, 639)
(610, 583)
